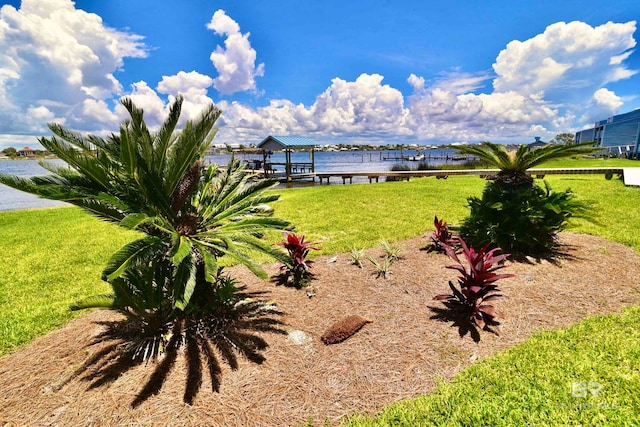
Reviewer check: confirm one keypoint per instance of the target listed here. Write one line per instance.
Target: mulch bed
(400, 355)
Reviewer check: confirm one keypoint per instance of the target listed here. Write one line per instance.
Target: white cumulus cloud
(604, 103)
(364, 107)
(236, 62)
(566, 57)
(56, 56)
(416, 82)
(184, 82)
(193, 87)
(607, 99)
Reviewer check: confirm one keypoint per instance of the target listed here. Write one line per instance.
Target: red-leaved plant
(441, 237)
(295, 271)
(477, 284)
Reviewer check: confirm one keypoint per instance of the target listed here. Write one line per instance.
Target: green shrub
(514, 213)
(521, 219)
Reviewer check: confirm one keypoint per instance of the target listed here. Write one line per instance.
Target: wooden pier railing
(444, 174)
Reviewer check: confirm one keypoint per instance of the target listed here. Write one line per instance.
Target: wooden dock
(444, 174)
(428, 157)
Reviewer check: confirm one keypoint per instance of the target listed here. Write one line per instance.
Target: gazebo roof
(537, 143)
(275, 143)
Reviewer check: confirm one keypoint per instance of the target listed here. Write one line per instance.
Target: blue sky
(336, 71)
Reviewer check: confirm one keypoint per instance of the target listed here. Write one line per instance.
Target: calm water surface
(339, 161)
(11, 199)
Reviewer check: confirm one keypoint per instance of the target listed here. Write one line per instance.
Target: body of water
(347, 161)
(335, 161)
(11, 199)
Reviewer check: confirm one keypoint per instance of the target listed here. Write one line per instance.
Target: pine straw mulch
(399, 355)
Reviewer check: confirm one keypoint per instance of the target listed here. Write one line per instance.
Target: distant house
(27, 152)
(619, 135)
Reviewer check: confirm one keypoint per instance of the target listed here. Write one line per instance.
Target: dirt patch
(399, 355)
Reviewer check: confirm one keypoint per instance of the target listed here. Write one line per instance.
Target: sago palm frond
(95, 301)
(131, 254)
(190, 146)
(185, 281)
(498, 156)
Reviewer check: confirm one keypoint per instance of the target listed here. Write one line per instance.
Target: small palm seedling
(441, 238)
(383, 268)
(392, 252)
(295, 268)
(468, 304)
(356, 256)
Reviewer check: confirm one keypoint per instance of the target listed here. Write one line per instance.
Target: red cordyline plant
(295, 272)
(476, 282)
(441, 237)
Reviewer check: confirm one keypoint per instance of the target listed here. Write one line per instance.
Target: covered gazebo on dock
(288, 144)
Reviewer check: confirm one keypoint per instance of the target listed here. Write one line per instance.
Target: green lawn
(52, 257)
(592, 163)
(585, 375)
(343, 216)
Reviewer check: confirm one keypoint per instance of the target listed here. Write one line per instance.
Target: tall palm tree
(169, 279)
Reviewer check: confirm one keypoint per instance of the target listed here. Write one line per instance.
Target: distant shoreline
(21, 159)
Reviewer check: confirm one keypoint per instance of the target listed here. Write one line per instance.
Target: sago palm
(155, 182)
(515, 213)
(514, 164)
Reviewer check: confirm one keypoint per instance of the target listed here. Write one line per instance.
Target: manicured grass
(341, 217)
(51, 257)
(591, 163)
(615, 207)
(583, 375)
(344, 216)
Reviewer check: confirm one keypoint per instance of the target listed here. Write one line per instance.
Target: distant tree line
(561, 139)
(12, 153)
